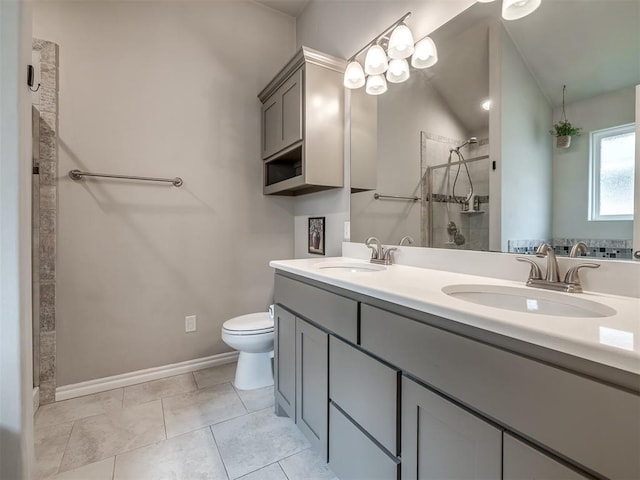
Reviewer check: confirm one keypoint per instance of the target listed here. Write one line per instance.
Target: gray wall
(571, 167)
(16, 376)
(525, 152)
(340, 29)
(149, 88)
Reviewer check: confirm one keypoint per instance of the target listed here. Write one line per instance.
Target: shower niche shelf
(471, 212)
(303, 126)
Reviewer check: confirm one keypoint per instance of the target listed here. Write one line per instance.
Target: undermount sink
(352, 267)
(529, 300)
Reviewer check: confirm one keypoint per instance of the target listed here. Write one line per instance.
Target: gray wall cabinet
(312, 384)
(282, 116)
(303, 140)
(442, 441)
(408, 398)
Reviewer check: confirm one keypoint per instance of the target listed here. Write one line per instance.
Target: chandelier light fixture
(387, 59)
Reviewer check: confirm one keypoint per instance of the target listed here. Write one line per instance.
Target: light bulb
(425, 55)
(398, 70)
(376, 85)
(375, 62)
(515, 9)
(486, 105)
(401, 42)
(354, 75)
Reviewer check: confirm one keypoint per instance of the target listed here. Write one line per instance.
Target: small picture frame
(316, 235)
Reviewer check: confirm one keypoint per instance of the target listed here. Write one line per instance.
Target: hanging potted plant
(563, 130)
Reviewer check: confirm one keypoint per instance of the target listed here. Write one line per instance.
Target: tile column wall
(46, 104)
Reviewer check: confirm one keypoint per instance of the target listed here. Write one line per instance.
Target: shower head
(471, 141)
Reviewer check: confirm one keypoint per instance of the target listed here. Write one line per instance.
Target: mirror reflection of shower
(455, 236)
(456, 188)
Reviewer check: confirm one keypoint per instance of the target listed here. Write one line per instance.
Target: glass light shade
(485, 1)
(398, 70)
(401, 42)
(354, 75)
(376, 85)
(375, 62)
(515, 9)
(425, 55)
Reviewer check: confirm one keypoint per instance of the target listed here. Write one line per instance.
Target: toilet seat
(250, 324)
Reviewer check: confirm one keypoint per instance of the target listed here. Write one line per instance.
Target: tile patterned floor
(191, 426)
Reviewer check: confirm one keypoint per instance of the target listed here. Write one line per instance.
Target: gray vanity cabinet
(367, 391)
(459, 404)
(285, 361)
(522, 462)
(352, 453)
(442, 441)
(312, 384)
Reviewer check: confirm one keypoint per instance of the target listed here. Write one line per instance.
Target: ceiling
(592, 46)
(290, 7)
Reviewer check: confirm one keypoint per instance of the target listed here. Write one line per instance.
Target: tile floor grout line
(164, 420)
(66, 445)
(260, 468)
(215, 442)
(113, 468)
(241, 401)
(282, 469)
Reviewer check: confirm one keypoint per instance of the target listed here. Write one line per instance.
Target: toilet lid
(251, 322)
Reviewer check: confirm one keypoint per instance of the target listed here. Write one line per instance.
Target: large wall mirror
(429, 161)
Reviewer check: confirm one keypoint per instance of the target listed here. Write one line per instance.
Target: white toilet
(252, 335)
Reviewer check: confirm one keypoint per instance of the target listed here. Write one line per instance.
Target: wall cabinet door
(312, 384)
(443, 441)
(522, 462)
(282, 116)
(285, 362)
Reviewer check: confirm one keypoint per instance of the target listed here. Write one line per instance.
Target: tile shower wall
(610, 249)
(45, 108)
(473, 226)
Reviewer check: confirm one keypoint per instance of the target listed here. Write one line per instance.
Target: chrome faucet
(379, 253)
(406, 240)
(571, 283)
(552, 264)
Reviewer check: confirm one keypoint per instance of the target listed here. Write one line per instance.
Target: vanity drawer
(333, 312)
(353, 456)
(366, 390)
(569, 414)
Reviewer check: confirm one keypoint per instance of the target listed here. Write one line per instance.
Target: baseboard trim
(74, 390)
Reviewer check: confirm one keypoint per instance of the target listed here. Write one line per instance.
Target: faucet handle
(408, 239)
(579, 247)
(572, 276)
(374, 244)
(535, 273)
(386, 254)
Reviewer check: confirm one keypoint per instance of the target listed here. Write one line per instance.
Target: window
(611, 174)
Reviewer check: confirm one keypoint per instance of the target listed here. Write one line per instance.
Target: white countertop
(612, 340)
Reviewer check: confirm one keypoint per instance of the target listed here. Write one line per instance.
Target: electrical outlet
(347, 231)
(190, 323)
